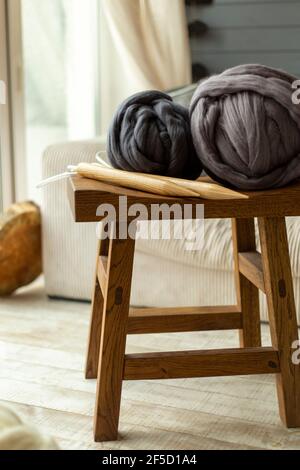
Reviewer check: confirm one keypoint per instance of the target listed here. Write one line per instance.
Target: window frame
(12, 115)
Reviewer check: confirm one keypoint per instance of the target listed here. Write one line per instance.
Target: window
(60, 49)
(49, 50)
(7, 144)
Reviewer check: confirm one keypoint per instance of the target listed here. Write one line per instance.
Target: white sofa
(164, 273)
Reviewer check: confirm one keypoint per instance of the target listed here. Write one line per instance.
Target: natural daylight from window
(60, 90)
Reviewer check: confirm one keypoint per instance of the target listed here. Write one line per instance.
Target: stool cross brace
(269, 271)
(112, 320)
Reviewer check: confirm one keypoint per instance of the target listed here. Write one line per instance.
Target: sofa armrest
(57, 157)
(69, 249)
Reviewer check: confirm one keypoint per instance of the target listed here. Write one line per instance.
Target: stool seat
(85, 195)
(269, 271)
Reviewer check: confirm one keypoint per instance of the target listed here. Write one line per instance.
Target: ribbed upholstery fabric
(174, 284)
(217, 250)
(68, 249)
(164, 273)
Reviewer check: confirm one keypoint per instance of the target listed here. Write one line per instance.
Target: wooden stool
(269, 271)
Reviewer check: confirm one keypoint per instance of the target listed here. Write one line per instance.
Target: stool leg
(92, 360)
(113, 339)
(243, 234)
(282, 314)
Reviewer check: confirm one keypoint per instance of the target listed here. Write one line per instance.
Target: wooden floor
(42, 349)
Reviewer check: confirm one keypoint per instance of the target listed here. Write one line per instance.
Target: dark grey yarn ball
(151, 134)
(246, 129)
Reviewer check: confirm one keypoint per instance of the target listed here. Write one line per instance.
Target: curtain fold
(143, 45)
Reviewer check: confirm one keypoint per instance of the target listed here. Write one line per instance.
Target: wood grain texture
(86, 195)
(250, 359)
(92, 361)
(41, 378)
(282, 314)
(171, 320)
(113, 339)
(243, 233)
(250, 266)
(210, 363)
(102, 273)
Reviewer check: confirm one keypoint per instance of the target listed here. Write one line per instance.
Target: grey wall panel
(248, 31)
(249, 2)
(250, 39)
(218, 62)
(242, 15)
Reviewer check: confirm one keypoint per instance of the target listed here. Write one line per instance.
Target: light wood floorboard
(42, 352)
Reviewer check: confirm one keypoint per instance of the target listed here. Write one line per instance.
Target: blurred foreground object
(20, 247)
(16, 435)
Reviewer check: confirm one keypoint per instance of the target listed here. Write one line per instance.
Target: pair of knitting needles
(154, 184)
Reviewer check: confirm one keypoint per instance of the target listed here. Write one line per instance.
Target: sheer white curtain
(143, 45)
(81, 67)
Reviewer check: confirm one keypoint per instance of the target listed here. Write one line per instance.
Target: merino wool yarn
(151, 134)
(246, 129)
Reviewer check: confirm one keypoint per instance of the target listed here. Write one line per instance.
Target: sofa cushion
(216, 252)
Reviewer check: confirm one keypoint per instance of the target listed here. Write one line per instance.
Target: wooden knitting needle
(155, 184)
(210, 188)
(139, 181)
(206, 190)
(203, 189)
